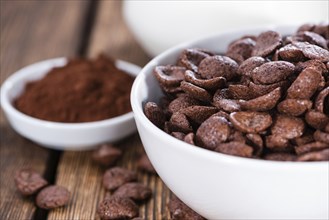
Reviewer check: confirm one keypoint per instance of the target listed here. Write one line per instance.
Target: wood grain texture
(36, 30)
(76, 169)
(17, 152)
(111, 35)
(30, 31)
(83, 178)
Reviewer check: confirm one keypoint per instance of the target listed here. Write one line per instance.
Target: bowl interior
(146, 88)
(16, 83)
(57, 135)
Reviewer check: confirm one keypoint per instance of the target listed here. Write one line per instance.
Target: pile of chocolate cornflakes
(267, 97)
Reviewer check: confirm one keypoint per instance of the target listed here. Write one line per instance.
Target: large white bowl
(151, 21)
(220, 186)
(62, 136)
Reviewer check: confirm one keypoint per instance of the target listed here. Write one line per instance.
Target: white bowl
(62, 136)
(151, 21)
(220, 186)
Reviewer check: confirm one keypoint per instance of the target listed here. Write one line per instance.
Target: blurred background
(135, 31)
(34, 30)
(158, 25)
(52, 28)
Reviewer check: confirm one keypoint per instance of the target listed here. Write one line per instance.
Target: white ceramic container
(158, 25)
(220, 186)
(62, 136)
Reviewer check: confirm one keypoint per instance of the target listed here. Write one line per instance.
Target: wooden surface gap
(88, 23)
(50, 176)
(52, 163)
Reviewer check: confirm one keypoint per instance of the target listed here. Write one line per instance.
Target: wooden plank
(30, 31)
(76, 169)
(16, 152)
(35, 30)
(111, 35)
(83, 178)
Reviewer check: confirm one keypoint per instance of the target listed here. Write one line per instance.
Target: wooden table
(36, 30)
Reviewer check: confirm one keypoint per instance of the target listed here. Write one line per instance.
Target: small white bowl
(220, 186)
(62, 136)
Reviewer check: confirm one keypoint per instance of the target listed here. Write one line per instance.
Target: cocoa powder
(81, 91)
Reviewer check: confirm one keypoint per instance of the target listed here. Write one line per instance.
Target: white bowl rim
(252, 162)
(13, 78)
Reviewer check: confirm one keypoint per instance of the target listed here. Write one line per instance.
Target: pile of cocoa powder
(81, 91)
